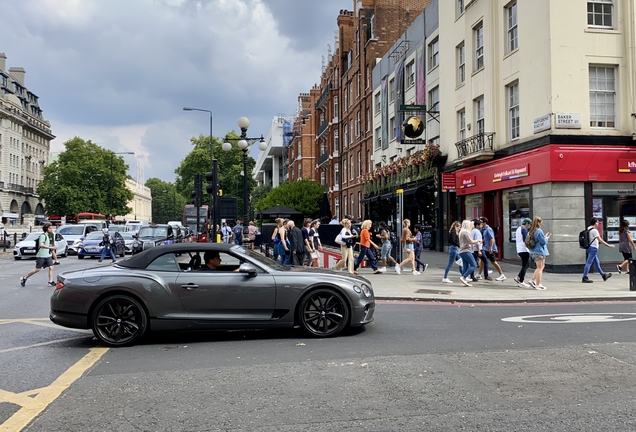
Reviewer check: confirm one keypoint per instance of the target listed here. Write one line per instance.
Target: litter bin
(632, 275)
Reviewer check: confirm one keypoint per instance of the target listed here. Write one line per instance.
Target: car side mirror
(247, 268)
(136, 236)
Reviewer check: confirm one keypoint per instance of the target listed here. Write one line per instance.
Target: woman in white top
(346, 249)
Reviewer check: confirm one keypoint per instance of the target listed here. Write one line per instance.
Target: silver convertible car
(170, 288)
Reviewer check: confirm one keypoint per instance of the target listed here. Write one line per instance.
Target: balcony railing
(323, 97)
(19, 188)
(323, 127)
(476, 145)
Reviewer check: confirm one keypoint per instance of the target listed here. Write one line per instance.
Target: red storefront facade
(564, 184)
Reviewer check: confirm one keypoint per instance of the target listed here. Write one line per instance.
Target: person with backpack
(522, 251)
(417, 229)
(537, 243)
(108, 243)
(593, 239)
(387, 238)
(238, 233)
(625, 246)
(43, 255)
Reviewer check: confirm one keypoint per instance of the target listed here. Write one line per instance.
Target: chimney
(3, 61)
(18, 74)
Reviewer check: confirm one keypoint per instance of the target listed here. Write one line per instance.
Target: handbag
(314, 255)
(460, 262)
(339, 240)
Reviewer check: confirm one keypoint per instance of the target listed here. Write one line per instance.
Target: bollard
(632, 275)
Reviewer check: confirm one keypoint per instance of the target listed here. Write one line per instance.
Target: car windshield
(95, 235)
(262, 259)
(33, 236)
(119, 228)
(153, 232)
(127, 235)
(71, 230)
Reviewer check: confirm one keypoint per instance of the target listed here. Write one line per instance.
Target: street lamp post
(213, 209)
(112, 155)
(244, 144)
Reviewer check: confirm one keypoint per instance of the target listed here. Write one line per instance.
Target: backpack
(530, 242)
(584, 238)
(38, 243)
(393, 238)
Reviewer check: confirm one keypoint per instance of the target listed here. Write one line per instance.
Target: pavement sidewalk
(429, 287)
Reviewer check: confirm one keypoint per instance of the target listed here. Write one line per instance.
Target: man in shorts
(385, 251)
(490, 248)
(43, 257)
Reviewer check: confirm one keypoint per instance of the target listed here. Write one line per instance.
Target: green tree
(167, 202)
(230, 166)
(302, 195)
(258, 194)
(79, 181)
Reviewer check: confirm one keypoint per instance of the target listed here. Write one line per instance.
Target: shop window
(516, 205)
(612, 203)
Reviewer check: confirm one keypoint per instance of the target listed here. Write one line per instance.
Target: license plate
(29, 251)
(92, 249)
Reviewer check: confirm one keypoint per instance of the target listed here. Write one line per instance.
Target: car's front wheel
(323, 313)
(119, 320)
(80, 256)
(17, 258)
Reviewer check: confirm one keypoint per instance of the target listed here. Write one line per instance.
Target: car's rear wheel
(17, 258)
(323, 313)
(119, 320)
(80, 257)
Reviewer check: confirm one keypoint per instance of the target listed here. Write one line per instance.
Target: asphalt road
(418, 367)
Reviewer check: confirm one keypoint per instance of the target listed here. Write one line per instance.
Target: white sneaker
(523, 285)
(382, 269)
(469, 279)
(464, 281)
(447, 280)
(477, 276)
(489, 271)
(501, 278)
(398, 270)
(540, 287)
(415, 272)
(533, 284)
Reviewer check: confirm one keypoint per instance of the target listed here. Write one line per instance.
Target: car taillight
(59, 285)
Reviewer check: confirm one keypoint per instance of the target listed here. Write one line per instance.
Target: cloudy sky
(119, 72)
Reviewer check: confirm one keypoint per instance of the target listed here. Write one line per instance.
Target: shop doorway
(492, 210)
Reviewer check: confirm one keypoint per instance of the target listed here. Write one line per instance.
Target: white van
(135, 225)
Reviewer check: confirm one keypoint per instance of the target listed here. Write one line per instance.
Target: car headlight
(80, 245)
(357, 289)
(366, 289)
(159, 243)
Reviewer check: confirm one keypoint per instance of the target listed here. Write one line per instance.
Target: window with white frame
(345, 138)
(300, 149)
(344, 170)
(377, 103)
(352, 171)
(368, 119)
(434, 140)
(335, 107)
(513, 31)
(433, 97)
(513, 110)
(359, 124)
(378, 138)
(359, 163)
(359, 83)
(353, 205)
(603, 96)
(433, 54)
(461, 125)
(344, 201)
(460, 7)
(479, 46)
(410, 73)
(600, 13)
(391, 90)
(346, 99)
(322, 178)
(351, 130)
(336, 174)
(391, 128)
(360, 204)
(300, 170)
(323, 148)
(336, 141)
(368, 161)
(479, 116)
(336, 207)
(461, 63)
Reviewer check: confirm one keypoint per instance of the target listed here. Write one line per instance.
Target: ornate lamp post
(244, 144)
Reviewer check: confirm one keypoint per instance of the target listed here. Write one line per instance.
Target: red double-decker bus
(90, 216)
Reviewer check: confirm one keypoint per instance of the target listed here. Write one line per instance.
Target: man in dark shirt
(297, 247)
(212, 261)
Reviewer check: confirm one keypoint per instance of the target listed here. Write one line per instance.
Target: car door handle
(190, 286)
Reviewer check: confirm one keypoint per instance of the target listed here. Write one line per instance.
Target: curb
(508, 301)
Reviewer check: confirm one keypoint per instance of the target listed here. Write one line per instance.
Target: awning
(10, 215)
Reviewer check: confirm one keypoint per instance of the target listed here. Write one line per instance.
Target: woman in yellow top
(365, 247)
(346, 249)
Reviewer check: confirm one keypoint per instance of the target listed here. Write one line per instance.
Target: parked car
(129, 239)
(25, 248)
(153, 235)
(118, 228)
(170, 288)
(74, 234)
(90, 246)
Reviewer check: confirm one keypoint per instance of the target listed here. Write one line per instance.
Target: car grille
(27, 251)
(147, 245)
(70, 242)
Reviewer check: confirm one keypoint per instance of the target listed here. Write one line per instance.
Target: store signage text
(567, 121)
(626, 165)
(468, 182)
(541, 124)
(448, 182)
(511, 174)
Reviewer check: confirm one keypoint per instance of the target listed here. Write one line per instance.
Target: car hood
(72, 236)
(322, 272)
(91, 242)
(25, 243)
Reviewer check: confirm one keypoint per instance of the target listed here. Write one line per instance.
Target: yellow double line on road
(31, 406)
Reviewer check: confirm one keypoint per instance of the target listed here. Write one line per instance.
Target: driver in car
(212, 261)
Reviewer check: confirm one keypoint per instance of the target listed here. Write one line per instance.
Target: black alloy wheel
(119, 320)
(323, 313)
